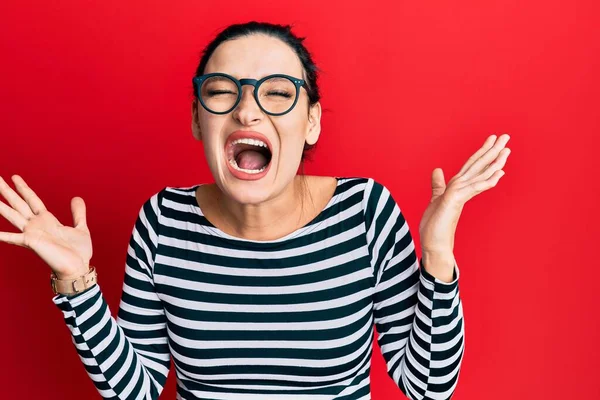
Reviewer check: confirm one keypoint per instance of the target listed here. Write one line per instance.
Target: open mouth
(251, 156)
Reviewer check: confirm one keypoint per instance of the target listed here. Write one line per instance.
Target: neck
(268, 220)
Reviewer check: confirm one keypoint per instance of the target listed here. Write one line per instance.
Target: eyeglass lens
(276, 95)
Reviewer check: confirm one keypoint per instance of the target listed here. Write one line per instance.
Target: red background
(95, 102)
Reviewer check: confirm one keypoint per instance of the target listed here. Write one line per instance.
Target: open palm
(67, 250)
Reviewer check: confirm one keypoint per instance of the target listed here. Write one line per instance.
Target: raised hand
(437, 228)
(67, 250)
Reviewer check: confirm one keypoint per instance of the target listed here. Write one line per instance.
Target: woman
(266, 284)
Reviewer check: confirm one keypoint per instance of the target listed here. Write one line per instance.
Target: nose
(247, 112)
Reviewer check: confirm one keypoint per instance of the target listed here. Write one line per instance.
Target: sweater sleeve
(418, 318)
(127, 357)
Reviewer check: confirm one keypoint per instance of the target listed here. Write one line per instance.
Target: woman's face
(255, 56)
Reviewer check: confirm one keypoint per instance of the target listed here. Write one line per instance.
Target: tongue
(251, 159)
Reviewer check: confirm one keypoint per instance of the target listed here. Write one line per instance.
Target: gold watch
(73, 286)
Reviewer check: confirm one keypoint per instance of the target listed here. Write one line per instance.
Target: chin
(251, 188)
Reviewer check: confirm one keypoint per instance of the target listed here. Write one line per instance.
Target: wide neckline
(210, 228)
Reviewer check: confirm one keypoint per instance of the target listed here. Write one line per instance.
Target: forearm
(108, 355)
(439, 334)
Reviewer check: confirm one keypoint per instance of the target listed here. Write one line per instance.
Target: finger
(497, 165)
(438, 183)
(483, 161)
(481, 186)
(12, 238)
(489, 142)
(12, 216)
(35, 203)
(15, 200)
(78, 211)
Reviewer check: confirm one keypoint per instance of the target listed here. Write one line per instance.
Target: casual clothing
(290, 318)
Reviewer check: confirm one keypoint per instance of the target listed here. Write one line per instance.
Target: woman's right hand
(67, 250)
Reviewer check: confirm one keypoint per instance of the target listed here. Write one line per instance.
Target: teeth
(254, 142)
(248, 171)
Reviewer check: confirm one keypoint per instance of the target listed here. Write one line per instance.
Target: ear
(314, 120)
(195, 121)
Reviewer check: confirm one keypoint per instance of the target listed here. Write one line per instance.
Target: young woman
(267, 284)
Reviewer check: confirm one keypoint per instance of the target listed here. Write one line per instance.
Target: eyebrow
(219, 78)
(238, 77)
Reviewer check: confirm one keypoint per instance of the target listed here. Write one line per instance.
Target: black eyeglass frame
(198, 80)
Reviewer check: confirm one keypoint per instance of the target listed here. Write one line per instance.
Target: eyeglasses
(220, 93)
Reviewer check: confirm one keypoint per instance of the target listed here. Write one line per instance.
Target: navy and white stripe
(291, 318)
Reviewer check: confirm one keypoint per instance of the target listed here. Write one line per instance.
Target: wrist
(74, 273)
(67, 276)
(440, 266)
(73, 284)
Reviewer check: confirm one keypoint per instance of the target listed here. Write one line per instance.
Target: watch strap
(73, 286)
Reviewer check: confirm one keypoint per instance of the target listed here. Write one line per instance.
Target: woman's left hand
(481, 172)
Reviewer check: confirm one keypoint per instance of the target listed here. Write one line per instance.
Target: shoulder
(176, 196)
(377, 200)
(365, 183)
(167, 196)
(373, 195)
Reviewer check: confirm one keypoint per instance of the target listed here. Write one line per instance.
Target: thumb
(438, 183)
(78, 211)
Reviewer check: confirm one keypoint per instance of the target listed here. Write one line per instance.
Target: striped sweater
(291, 318)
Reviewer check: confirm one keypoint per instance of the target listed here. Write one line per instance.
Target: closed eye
(218, 92)
(282, 94)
